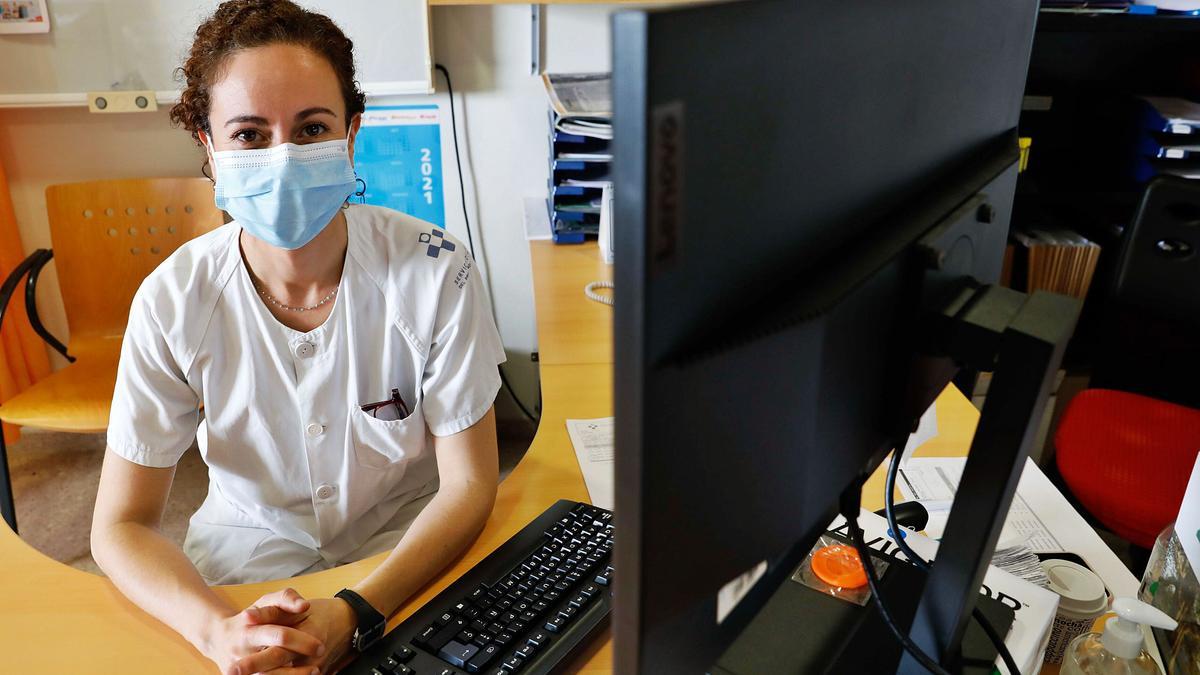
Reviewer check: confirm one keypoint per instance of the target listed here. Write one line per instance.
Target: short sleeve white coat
(300, 477)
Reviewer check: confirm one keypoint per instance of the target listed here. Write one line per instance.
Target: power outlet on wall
(121, 101)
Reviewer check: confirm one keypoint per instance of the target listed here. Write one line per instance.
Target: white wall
(502, 114)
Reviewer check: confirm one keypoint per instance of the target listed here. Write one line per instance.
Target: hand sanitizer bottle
(1118, 650)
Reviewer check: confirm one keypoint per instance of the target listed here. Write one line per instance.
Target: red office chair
(1127, 459)
(1126, 448)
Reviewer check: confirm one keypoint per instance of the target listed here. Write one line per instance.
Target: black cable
(462, 193)
(889, 509)
(462, 186)
(860, 545)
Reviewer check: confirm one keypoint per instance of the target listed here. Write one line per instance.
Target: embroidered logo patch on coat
(437, 242)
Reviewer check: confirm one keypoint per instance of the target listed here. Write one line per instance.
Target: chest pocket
(386, 444)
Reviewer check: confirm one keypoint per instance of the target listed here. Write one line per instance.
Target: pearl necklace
(280, 305)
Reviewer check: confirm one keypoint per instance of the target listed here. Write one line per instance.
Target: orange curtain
(23, 358)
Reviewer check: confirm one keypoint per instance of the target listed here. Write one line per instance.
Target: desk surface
(54, 618)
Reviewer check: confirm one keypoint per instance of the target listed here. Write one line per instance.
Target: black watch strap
(371, 624)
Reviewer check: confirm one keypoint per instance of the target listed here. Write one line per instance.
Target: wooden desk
(56, 619)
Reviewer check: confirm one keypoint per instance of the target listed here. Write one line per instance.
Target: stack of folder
(1169, 139)
(1058, 261)
(580, 153)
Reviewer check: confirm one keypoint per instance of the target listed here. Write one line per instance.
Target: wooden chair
(107, 237)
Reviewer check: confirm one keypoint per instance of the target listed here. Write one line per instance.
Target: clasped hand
(282, 634)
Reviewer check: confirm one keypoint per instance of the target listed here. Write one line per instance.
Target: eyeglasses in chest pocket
(381, 443)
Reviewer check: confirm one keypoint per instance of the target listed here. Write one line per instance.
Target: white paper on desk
(927, 428)
(1034, 607)
(936, 479)
(593, 441)
(1058, 521)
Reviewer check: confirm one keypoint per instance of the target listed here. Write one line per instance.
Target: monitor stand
(801, 630)
(1020, 339)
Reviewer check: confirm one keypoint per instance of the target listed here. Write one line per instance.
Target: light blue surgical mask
(285, 194)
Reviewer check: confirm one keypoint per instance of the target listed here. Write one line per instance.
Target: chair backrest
(1152, 324)
(1159, 270)
(109, 235)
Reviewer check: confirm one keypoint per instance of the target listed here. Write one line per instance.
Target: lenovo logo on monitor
(666, 184)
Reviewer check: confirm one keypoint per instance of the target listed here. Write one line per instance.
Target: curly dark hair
(242, 24)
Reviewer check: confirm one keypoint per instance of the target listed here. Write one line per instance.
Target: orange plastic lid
(840, 566)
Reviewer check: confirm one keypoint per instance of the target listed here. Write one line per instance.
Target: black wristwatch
(371, 624)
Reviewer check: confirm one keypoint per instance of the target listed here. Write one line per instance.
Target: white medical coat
(299, 477)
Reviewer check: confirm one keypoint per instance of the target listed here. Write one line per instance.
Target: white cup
(1082, 600)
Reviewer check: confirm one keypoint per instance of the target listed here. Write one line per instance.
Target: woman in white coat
(344, 358)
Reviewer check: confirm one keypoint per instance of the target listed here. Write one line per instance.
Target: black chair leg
(7, 508)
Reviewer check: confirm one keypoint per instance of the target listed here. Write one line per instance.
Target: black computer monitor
(800, 188)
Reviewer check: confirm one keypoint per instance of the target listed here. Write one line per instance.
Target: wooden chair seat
(76, 398)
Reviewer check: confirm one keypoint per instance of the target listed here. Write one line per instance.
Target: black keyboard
(526, 608)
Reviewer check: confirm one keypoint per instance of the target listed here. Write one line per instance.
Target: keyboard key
(404, 670)
(504, 637)
(481, 659)
(422, 638)
(529, 617)
(494, 628)
(525, 652)
(589, 590)
(460, 607)
(471, 612)
(483, 639)
(389, 664)
(458, 653)
(514, 664)
(556, 624)
(478, 594)
(579, 600)
(467, 635)
(551, 596)
(540, 606)
(403, 655)
(478, 626)
(444, 619)
(446, 634)
(568, 612)
(605, 577)
(517, 627)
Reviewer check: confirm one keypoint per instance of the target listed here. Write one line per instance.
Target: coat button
(314, 429)
(325, 491)
(305, 349)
